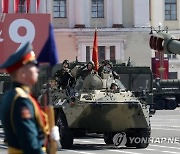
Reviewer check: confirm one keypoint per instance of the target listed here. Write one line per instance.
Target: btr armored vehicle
(91, 106)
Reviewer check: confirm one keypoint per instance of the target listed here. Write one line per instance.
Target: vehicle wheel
(79, 133)
(160, 104)
(66, 137)
(108, 137)
(141, 140)
(144, 134)
(171, 104)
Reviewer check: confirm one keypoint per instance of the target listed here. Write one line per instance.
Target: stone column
(157, 13)
(141, 13)
(117, 13)
(49, 6)
(71, 16)
(79, 14)
(32, 8)
(42, 7)
(11, 6)
(107, 52)
(1, 9)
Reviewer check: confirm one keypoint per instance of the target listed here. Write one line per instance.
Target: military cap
(21, 57)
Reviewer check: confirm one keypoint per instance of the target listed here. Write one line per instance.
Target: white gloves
(55, 133)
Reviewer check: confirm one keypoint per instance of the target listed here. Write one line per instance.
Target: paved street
(165, 126)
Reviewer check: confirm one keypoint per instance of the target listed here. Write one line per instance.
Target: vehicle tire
(141, 139)
(171, 104)
(66, 137)
(160, 104)
(79, 133)
(108, 137)
(144, 134)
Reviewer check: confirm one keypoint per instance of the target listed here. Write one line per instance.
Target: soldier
(114, 86)
(64, 77)
(89, 70)
(25, 124)
(107, 69)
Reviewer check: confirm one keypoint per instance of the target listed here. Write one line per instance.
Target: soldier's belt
(12, 150)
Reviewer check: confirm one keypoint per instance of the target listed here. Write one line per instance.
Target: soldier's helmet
(114, 86)
(107, 62)
(66, 62)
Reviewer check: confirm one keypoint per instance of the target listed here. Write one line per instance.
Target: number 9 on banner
(14, 30)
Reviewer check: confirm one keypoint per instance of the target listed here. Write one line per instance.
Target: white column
(1, 9)
(109, 14)
(71, 11)
(79, 13)
(42, 6)
(141, 13)
(87, 14)
(157, 12)
(49, 6)
(117, 13)
(91, 51)
(32, 6)
(11, 6)
(178, 14)
(107, 52)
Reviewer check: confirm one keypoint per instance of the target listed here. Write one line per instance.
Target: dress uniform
(25, 124)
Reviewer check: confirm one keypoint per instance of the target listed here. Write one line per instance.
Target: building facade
(123, 27)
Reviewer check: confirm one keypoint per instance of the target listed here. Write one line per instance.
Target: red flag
(28, 5)
(16, 3)
(5, 6)
(95, 52)
(37, 5)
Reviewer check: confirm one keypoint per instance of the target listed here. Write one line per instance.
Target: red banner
(95, 51)
(5, 6)
(17, 29)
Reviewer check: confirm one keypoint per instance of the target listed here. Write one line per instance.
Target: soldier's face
(65, 66)
(89, 67)
(31, 73)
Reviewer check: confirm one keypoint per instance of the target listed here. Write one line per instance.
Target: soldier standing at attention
(25, 124)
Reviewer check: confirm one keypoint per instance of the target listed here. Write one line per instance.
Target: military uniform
(64, 77)
(107, 69)
(24, 123)
(85, 72)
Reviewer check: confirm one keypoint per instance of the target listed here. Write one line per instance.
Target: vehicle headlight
(76, 94)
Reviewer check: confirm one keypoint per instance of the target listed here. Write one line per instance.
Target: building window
(97, 9)
(87, 53)
(22, 7)
(173, 75)
(172, 56)
(59, 8)
(170, 10)
(112, 53)
(101, 53)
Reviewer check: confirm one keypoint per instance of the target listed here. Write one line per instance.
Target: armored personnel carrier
(92, 106)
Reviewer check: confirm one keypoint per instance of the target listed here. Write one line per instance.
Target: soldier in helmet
(114, 86)
(89, 70)
(107, 68)
(63, 76)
